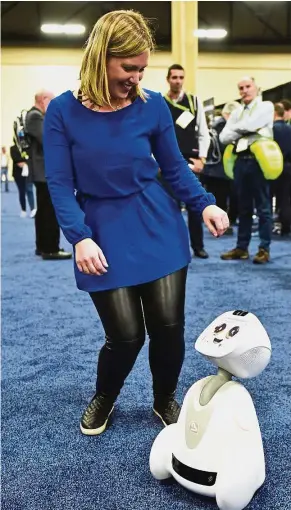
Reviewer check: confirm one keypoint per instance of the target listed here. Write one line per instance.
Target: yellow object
(269, 156)
(229, 160)
(267, 153)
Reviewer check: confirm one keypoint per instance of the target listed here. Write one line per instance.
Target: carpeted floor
(51, 337)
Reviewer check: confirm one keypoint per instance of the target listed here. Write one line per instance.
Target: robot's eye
(233, 331)
(220, 328)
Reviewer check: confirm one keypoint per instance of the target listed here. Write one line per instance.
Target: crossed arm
(235, 127)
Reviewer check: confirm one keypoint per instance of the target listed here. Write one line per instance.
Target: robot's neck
(213, 385)
(224, 374)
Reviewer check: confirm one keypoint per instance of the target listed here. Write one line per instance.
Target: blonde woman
(130, 240)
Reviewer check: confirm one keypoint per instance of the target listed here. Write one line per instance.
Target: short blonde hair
(122, 34)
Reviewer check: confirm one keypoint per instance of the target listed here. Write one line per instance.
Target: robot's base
(215, 450)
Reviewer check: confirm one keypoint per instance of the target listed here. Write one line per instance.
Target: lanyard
(177, 105)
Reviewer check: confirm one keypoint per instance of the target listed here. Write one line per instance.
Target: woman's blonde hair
(122, 34)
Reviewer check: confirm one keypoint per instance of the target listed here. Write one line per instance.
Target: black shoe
(38, 252)
(95, 417)
(166, 408)
(202, 254)
(59, 255)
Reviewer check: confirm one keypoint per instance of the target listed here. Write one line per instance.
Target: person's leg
(261, 192)
(30, 194)
(273, 195)
(244, 186)
(233, 203)
(46, 226)
(223, 194)
(49, 225)
(214, 187)
(121, 314)
(195, 228)
(4, 173)
(40, 218)
(163, 304)
(20, 183)
(223, 199)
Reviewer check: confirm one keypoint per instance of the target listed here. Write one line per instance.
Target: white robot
(215, 448)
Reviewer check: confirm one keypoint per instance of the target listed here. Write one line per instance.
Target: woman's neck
(115, 103)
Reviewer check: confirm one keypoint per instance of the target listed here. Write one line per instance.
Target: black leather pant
(126, 313)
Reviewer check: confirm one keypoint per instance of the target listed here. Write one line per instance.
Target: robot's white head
(237, 342)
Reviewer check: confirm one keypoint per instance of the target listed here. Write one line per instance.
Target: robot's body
(215, 448)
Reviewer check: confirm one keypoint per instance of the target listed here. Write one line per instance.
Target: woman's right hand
(90, 258)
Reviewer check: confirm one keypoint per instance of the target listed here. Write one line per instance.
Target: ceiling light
(210, 33)
(63, 29)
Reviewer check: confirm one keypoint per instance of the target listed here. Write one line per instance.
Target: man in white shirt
(193, 140)
(247, 124)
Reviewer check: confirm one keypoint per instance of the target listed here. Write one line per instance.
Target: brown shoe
(235, 254)
(261, 257)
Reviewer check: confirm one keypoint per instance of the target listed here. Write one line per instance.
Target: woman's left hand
(216, 220)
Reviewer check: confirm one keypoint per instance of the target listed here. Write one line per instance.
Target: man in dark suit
(47, 230)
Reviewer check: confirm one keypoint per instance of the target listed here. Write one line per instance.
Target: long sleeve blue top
(101, 169)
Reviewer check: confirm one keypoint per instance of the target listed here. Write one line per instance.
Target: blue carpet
(51, 338)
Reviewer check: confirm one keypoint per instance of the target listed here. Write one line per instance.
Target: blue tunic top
(101, 170)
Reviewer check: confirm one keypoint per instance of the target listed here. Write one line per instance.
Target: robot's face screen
(227, 332)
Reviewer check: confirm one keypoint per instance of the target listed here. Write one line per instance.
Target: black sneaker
(202, 254)
(95, 417)
(166, 408)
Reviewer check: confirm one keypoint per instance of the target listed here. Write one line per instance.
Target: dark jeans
(29, 194)
(24, 189)
(47, 230)
(252, 188)
(21, 185)
(157, 306)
